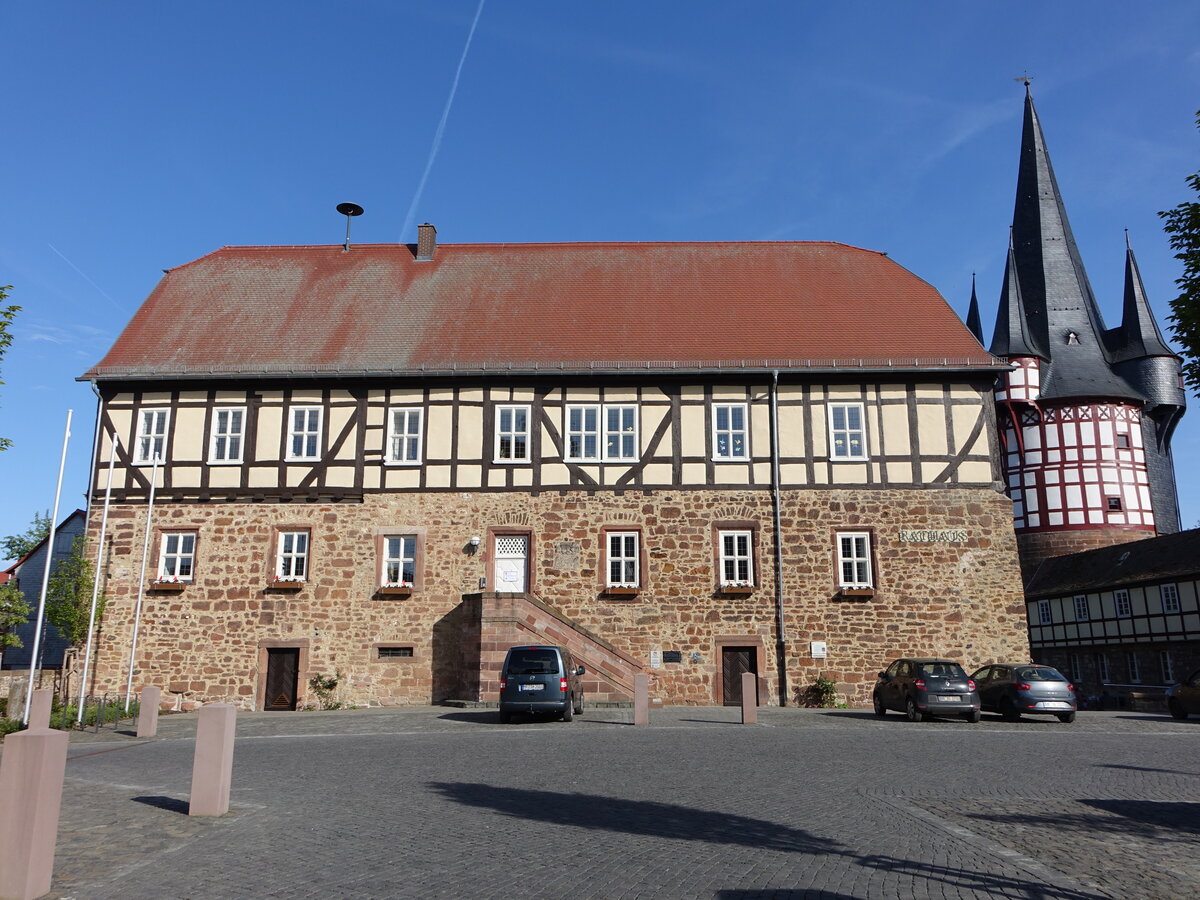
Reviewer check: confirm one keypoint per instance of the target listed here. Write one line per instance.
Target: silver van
(540, 680)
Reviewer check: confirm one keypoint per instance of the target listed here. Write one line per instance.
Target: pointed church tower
(1087, 413)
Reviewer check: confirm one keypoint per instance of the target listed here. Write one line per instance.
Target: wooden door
(735, 662)
(283, 668)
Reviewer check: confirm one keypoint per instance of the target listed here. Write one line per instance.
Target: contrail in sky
(437, 137)
(84, 276)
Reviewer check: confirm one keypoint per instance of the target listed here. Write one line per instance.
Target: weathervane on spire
(1025, 79)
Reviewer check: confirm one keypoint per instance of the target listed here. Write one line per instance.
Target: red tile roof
(315, 310)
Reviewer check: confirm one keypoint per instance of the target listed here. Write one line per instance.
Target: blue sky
(141, 135)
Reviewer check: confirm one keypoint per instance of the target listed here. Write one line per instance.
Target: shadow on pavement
(170, 804)
(975, 881)
(1153, 819)
(1144, 769)
(644, 817)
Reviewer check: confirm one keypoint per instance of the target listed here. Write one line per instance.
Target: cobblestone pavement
(438, 802)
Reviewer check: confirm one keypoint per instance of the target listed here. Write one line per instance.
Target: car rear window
(1031, 673)
(532, 662)
(942, 670)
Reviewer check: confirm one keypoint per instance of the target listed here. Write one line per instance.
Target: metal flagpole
(87, 654)
(41, 613)
(137, 618)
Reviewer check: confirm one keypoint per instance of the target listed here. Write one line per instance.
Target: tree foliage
(17, 545)
(7, 314)
(14, 611)
(69, 595)
(1183, 225)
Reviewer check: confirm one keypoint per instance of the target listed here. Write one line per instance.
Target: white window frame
(1135, 668)
(847, 432)
(1082, 612)
(1076, 668)
(286, 559)
(859, 558)
(1122, 603)
(627, 558)
(154, 424)
(1044, 615)
(1102, 668)
(218, 452)
(736, 566)
(1169, 594)
(395, 555)
(512, 433)
(601, 433)
(1166, 666)
(411, 443)
(176, 555)
(730, 433)
(307, 433)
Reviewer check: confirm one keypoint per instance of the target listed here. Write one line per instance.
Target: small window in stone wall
(395, 652)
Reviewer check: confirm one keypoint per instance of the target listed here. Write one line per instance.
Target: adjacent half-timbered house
(388, 463)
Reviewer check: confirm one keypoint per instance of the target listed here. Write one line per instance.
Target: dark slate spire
(974, 325)
(1139, 332)
(1061, 312)
(1011, 336)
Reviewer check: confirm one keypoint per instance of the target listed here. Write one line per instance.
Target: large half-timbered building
(390, 462)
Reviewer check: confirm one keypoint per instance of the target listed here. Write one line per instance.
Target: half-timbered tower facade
(389, 463)
(1086, 413)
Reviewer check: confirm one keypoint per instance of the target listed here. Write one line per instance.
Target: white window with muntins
(1076, 668)
(729, 431)
(228, 434)
(151, 436)
(847, 432)
(1166, 666)
(399, 560)
(291, 560)
(1170, 597)
(1044, 617)
(601, 432)
(512, 434)
(1102, 667)
(177, 558)
(1121, 599)
(404, 436)
(1081, 608)
(304, 432)
(623, 559)
(854, 559)
(511, 562)
(736, 561)
(1135, 669)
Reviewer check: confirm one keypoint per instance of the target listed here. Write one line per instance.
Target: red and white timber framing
(1071, 467)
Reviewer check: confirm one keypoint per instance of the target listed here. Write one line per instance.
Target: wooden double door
(283, 671)
(735, 662)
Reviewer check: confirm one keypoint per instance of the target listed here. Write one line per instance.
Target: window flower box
(168, 586)
(394, 591)
(285, 584)
(736, 589)
(857, 593)
(616, 591)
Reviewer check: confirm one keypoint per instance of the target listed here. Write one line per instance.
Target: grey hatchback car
(1017, 689)
(540, 679)
(925, 687)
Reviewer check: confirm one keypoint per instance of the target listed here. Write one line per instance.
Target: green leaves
(1183, 225)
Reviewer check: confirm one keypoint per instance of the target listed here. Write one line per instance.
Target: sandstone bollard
(31, 783)
(641, 699)
(212, 766)
(749, 698)
(148, 712)
(39, 708)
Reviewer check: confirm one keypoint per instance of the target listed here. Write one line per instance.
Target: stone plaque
(933, 536)
(672, 656)
(566, 556)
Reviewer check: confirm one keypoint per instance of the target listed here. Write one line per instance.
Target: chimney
(426, 242)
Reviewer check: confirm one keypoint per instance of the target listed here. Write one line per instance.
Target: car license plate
(949, 698)
(530, 687)
(1053, 704)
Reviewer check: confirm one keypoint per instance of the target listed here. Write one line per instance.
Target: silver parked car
(1017, 689)
(920, 688)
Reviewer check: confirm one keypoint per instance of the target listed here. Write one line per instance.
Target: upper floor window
(606, 432)
(404, 435)
(228, 434)
(512, 434)
(1170, 597)
(736, 562)
(729, 431)
(847, 435)
(291, 559)
(177, 556)
(1044, 617)
(622, 558)
(304, 432)
(1081, 608)
(400, 560)
(151, 435)
(1121, 599)
(854, 560)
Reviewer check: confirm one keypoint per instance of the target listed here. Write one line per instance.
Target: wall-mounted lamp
(473, 544)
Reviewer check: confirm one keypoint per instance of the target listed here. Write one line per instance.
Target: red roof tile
(313, 310)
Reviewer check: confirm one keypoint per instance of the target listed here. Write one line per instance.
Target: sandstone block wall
(206, 643)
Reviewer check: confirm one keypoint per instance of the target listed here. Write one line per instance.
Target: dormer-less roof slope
(263, 311)
(1165, 558)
